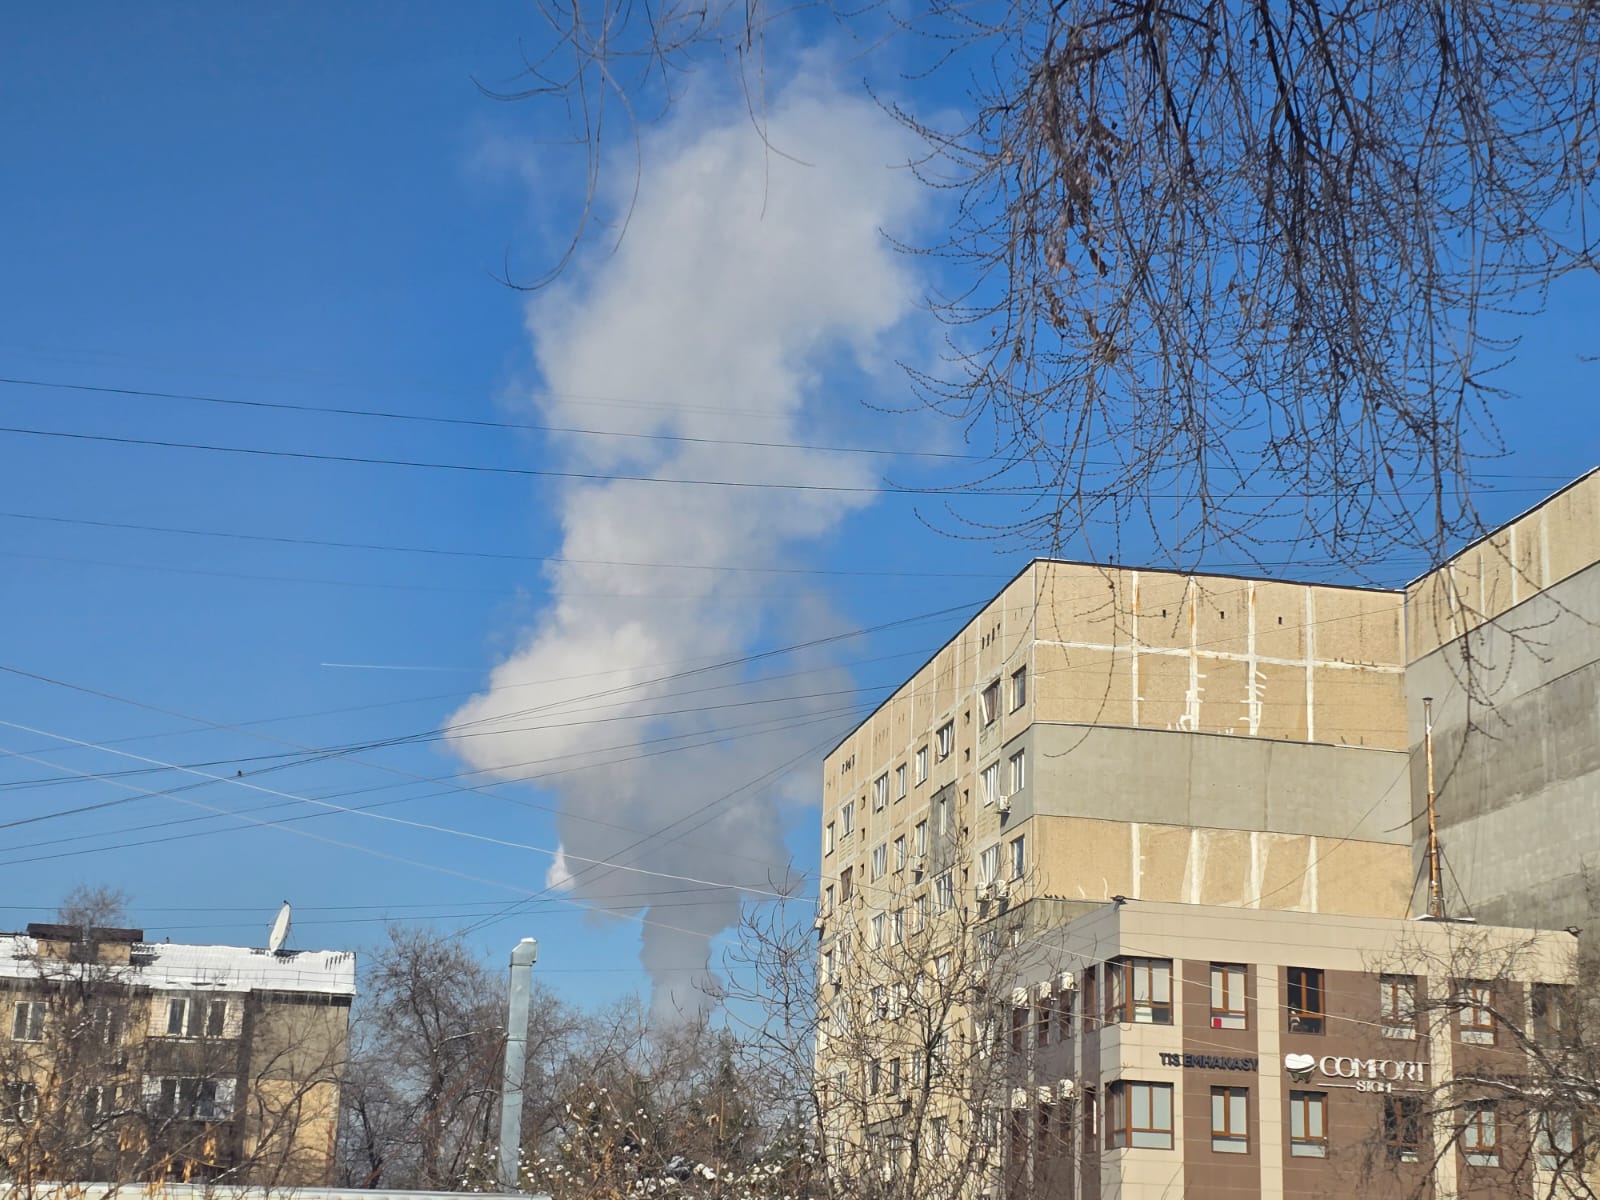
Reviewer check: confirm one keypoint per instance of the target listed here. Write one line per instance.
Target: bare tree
(1205, 263)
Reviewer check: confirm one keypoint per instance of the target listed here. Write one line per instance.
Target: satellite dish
(280, 930)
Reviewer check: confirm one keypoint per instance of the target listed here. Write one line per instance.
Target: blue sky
(310, 206)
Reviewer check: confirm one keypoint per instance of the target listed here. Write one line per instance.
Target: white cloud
(748, 291)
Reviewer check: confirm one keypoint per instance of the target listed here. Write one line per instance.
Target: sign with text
(1363, 1074)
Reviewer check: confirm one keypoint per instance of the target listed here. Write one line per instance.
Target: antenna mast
(1435, 879)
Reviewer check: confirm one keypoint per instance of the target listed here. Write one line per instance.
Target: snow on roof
(172, 967)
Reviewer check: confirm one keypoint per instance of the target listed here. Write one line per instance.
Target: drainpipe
(523, 956)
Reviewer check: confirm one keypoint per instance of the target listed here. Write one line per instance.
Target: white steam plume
(745, 284)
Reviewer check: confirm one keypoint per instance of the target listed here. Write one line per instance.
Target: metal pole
(1435, 876)
(523, 956)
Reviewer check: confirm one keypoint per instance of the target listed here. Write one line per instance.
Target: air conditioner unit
(1043, 990)
(1019, 997)
(1002, 889)
(916, 863)
(1066, 982)
(1046, 1094)
(1065, 1089)
(1003, 804)
(818, 924)
(1019, 1097)
(985, 892)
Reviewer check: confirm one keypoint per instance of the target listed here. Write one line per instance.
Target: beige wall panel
(1428, 623)
(1363, 878)
(1573, 528)
(1533, 574)
(1222, 615)
(1282, 695)
(1163, 859)
(1466, 574)
(1280, 620)
(944, 679)
(1357, 627)
(1084, 859)
(1501, 589)
(1088, 686)
(1356, 707)
(1286, 881)
(1163, 610)
(1226, 873)
(1224, 695)
(1081, 604)
(1163, 690)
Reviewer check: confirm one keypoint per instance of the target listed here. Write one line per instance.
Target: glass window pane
(1236, 1119)
(1141, 1105)
(1163, 1107)
(1217, 1115)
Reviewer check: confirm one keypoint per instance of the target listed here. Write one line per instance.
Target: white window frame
(847, 820)
(989, 783)
(27, 1021)
(196, 1017)
(1019, 856)
(1019, 688)
(880, 861)
(945, 741)
(900, 854)
(829, 838)
(922, 764)
(989, 864)
(944, 891)
(900, 786)
(920, 837)
(989, 703)
(880, 792)
(1019, 771)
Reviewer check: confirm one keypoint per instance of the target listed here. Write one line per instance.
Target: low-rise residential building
(122, 1059)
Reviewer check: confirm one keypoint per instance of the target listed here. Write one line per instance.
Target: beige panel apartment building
(126, 1060)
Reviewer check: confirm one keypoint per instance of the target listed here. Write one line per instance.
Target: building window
(941, 806)
(880, 792)
(1402, 1128)
(1550, 1006)
(1308, 1124)
(1019, 688)
(829, 973)
(1477, 1013)
(920, 838)
(27, 1021)
(1063, 1014)
(1397, 1000)
(944, 892)
(939, 1137)
(1019, 771)
(900, 782)
(21, 1101)
(193, 1017)
(1139, 991)
(874, 1076)
(1019, 856)
(1227, 996)
(989, 865)
(1557, 1140)
(990, 782)
(1139, 1115)
(880, 861)
(900, 853)
(1041, 1021)
(922, 764)
(941, 968)
(191, 1099)
(989, 703)
(919, 912)
(897, 927)
(880, 930)
(880, 1001)
(1019, 1028)
(1306, 1013)
(846, 884)
(1230, 1129)
(1480, 1136)
(847, 820)
(828, 836)
(1090, 1009)
(945, 740)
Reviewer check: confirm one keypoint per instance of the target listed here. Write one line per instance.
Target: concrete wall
(1516, 705)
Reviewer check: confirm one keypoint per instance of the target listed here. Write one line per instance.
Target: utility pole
(523, 955)
(1435, 876)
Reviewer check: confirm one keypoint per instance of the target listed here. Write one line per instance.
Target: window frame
(1476, 1000)
(1123, 974)
(1397, 1005)
(19, 1101)
(880, 792)
(901, 787)
(1303, 1104)
(1480, 1134)
(919, 838)
(1548, 1013)
(989, 703)
(944, 891)
(1122, 1102)
(901, 854)
(1310, 984)
(989, 864)
(1550, 1153)
(1224, 978)
(27, 1021)
(944, 741)
(1233, 1136)
(1402, 1128)
(1019, 688)
(922, 764)
(847, 820)
(1018, 772)
(880, 861)
(1018, 857)
(830, 839)
(989, 783)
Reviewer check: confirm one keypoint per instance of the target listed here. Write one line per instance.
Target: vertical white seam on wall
(1255, 869)
(1136, 852)
(1270, 1081)
(1308, 895)
(1252, 684)
(1311, 684)
(1133, 648)
(1191, 706)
